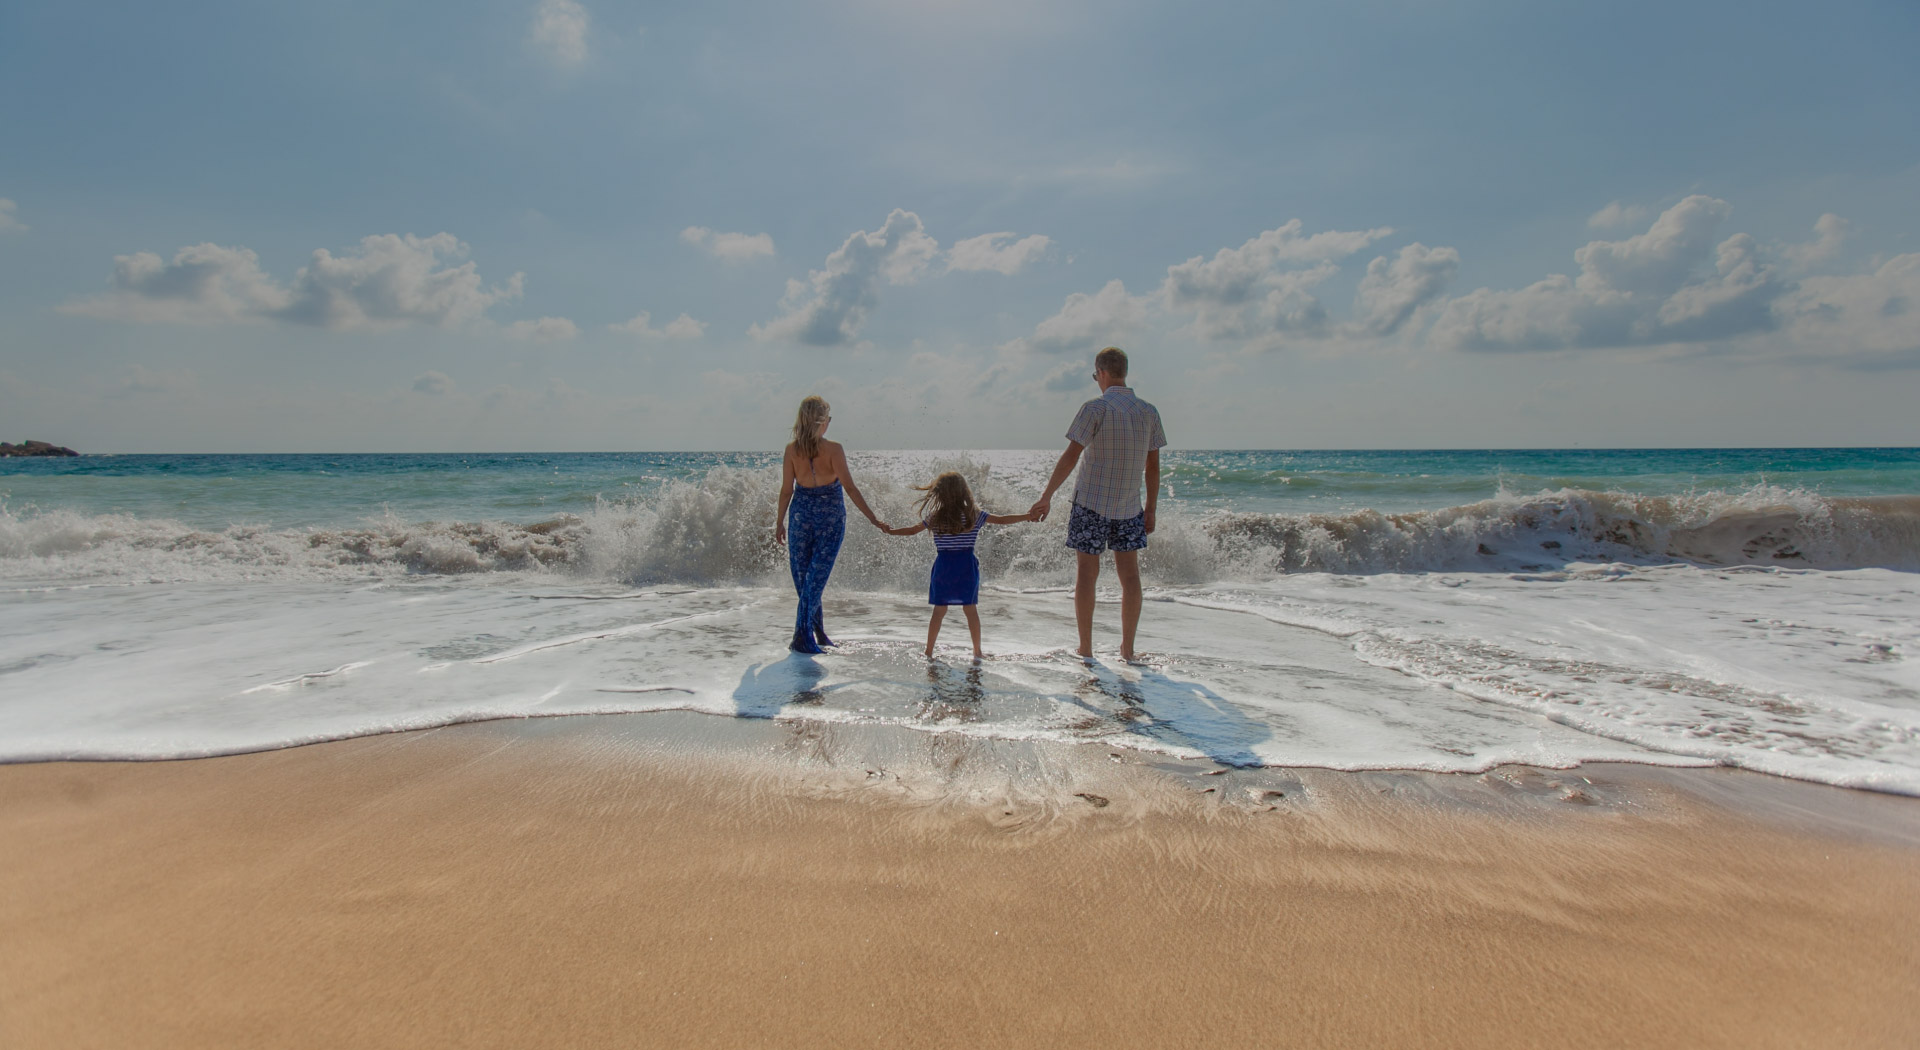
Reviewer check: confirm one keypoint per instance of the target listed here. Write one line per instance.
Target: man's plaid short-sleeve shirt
(1118, 430)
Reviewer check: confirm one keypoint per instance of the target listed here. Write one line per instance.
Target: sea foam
(1766, 627)
(719, 529)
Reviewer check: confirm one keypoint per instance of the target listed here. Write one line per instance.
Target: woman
(819, 517)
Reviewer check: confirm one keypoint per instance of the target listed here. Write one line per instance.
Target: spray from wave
(718, 529)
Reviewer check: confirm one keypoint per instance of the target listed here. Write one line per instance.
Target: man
(1121, 437)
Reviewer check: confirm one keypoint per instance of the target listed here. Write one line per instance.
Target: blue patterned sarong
(816, 523)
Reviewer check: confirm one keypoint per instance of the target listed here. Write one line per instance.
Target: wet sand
(603, 882)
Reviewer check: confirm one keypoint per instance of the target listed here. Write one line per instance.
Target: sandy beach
(601, 882)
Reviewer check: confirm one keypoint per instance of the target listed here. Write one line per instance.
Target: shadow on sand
(1173, 712)
(766, 688)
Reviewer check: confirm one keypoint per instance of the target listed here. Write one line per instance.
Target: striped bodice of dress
(957, 541)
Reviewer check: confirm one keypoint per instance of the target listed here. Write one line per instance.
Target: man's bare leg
(1127, 565)
(1086, 575)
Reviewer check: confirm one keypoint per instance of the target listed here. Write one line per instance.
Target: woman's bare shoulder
(831, 447)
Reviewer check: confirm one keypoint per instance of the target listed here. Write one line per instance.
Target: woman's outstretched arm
(786, 497)
(853, 490)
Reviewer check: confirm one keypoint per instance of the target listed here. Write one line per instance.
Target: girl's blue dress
(955, 579)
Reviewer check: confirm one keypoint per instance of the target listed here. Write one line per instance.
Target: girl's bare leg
(933, 627)
(973, 627)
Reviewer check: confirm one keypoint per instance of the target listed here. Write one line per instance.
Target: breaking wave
(719, 530)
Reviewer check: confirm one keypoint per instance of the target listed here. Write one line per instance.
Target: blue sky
(240, 227)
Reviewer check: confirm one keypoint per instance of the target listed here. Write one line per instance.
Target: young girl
(949, 511)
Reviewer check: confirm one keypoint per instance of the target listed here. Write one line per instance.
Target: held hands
(1038, 512)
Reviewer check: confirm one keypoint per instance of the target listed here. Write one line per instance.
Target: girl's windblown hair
(948, 505)
(806, 425)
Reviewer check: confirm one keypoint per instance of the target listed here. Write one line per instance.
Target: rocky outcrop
(34, 448)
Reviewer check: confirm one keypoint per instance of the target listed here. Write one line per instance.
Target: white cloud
(682, 327)
(544, 330)
(1829, 233)
(1089, 322)
(559, 32)
(432, 384)
(1255, 294)
(831, 306)
(732, 247)
(1737, 298)
(1866, 316)
(1252, 291)
(1616, 214)
(998, 252)
(9, 221)
(390, 281)
(204, 284)
(1393, 289)
(394, 280)
(1670, 284)
(1660, 259)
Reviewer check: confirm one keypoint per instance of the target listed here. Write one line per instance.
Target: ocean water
(1449, 610)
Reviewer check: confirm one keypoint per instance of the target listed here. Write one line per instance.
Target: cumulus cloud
(203, 284)
(1616, 214)
(831, 306)
(391, 280)
(394, 280)
(1089, 322)
(732, 247)
(1829, 233)
(682, 327)
(999, 252)
(432, 384)
(1256, 294)
(1868, 316)
(559, 32)
(9, 217)
(1671, 284)
(1660, 259)
(544, 330)
(1264, 287)
(1394, 288)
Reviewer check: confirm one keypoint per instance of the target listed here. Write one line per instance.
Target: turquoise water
(311, 490)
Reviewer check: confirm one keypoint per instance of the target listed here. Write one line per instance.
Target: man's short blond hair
(1112, 361)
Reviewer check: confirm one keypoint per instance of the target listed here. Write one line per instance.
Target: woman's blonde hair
(806, 425)
(953, 509)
